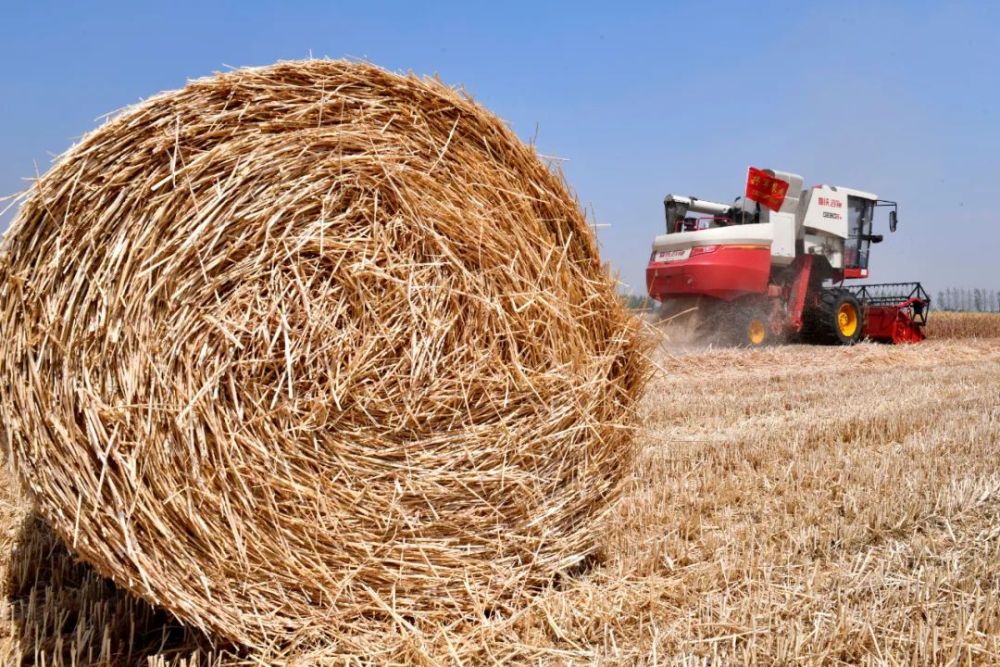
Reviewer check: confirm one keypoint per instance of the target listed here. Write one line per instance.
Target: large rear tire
(747, 323)
(751, 328)
(836, 319)
(756, 332)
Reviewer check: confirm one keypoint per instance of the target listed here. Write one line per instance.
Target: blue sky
(901, 99)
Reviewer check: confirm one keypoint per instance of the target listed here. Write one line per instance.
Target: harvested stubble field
(793, 505)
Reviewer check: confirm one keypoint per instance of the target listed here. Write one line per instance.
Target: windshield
(859, 228)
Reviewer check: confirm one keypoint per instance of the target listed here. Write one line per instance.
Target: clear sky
(901, 99)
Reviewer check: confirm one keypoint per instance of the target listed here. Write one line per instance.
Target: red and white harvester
(772, 265)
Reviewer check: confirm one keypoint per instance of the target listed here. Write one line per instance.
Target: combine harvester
(771, 266)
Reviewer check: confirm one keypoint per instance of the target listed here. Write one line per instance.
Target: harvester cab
(772, 264)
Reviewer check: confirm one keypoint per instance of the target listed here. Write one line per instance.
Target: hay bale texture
(313, 351)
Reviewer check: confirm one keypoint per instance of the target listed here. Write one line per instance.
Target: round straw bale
(315, 350)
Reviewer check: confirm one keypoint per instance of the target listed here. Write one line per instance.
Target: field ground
(791, 505)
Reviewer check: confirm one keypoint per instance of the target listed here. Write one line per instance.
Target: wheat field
(964, 325)
(791, 505)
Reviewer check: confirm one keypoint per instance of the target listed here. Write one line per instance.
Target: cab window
(859, 228)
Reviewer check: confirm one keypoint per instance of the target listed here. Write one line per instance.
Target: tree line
(637, 301)
(966, 299)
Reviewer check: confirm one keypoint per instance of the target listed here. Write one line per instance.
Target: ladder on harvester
(893, 312)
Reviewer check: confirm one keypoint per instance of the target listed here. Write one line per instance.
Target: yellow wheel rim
(756, 332)
(847, 320)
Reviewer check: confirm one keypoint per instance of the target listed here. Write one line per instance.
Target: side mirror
(892, 221)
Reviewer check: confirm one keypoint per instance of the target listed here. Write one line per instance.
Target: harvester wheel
(755, 332)
(836, 319)
(748, 325)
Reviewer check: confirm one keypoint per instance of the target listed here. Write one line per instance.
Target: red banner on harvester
(766, 189)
